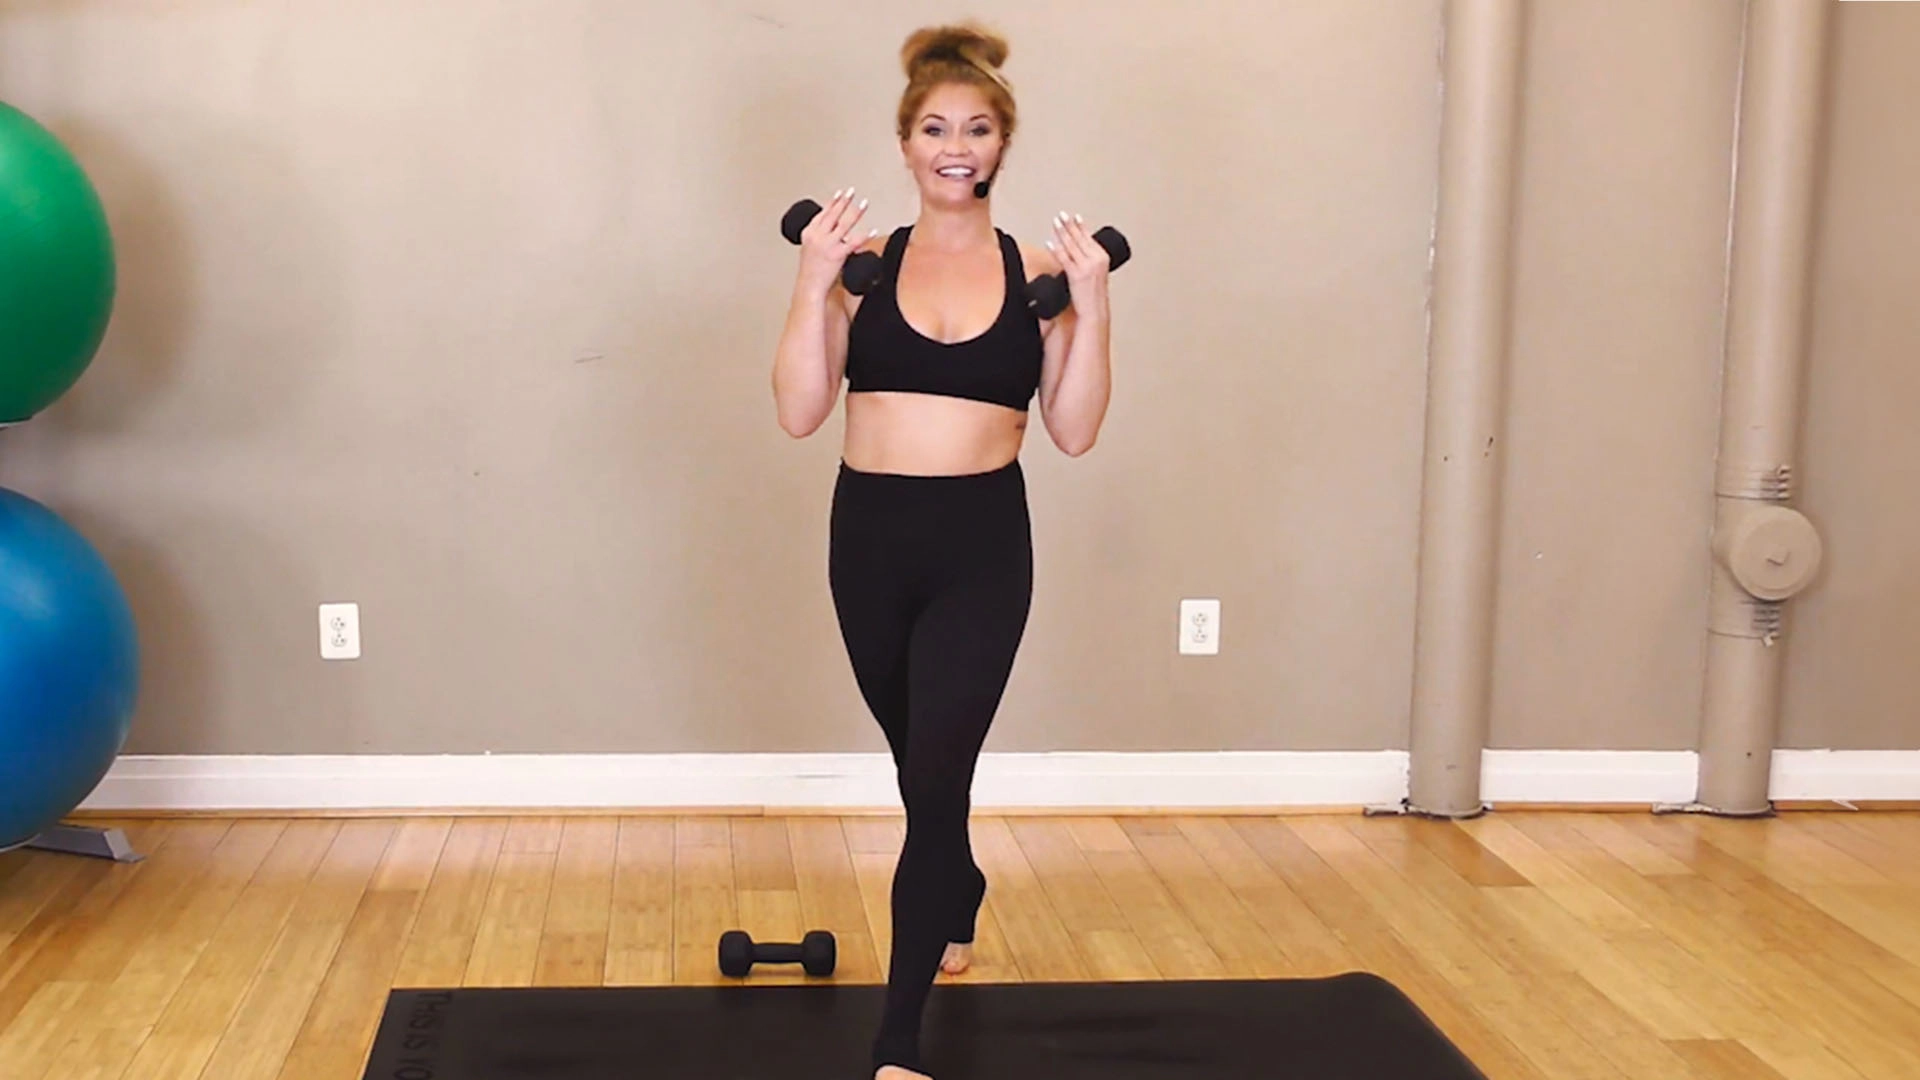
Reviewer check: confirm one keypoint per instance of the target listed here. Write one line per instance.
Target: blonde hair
(956, 53)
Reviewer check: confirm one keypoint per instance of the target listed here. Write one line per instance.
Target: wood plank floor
(1547, 945)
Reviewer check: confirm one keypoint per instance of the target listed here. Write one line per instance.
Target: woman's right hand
(829, 239)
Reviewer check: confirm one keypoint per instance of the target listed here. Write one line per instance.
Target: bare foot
(895, 1072)
(957, 958)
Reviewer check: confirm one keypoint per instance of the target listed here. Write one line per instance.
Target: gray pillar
(1467, 354)
(1764, 551)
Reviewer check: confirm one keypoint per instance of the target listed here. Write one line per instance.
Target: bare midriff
(926, 435)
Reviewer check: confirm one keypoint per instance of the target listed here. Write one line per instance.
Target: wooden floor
(1547, 945)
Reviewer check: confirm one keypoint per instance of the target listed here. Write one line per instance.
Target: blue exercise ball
(69, 668)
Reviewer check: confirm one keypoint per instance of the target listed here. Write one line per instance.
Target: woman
(931, 559)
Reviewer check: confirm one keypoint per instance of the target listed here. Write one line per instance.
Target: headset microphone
(980, 189)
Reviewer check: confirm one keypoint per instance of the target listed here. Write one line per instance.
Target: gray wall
(465, 312)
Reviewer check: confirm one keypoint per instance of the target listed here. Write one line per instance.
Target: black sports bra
(1001, 365)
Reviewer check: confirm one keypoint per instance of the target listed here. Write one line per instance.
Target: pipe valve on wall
(1772, 552)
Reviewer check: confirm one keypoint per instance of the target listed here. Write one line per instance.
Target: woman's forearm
(1086, 382)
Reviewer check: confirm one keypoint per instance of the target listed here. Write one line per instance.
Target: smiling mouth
(955, 172)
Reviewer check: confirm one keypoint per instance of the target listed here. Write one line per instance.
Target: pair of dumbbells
(1047, 295)
(816, 953)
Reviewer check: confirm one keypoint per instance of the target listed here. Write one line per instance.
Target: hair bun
(965, 42)
(964, 53)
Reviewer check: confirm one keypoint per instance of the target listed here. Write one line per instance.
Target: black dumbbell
(739, 952)
(1048, 296)
(862, 269)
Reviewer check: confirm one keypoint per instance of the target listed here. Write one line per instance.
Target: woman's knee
(935, 797)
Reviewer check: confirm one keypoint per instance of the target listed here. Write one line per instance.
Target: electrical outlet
(1199, 627)
(340, 631)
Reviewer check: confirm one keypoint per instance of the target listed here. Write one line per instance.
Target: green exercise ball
(56, 268)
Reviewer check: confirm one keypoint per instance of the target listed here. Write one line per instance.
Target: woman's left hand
(1084, 261)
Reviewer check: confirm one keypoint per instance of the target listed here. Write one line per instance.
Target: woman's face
(954, 143)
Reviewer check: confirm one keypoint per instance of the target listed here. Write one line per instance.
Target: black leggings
(932, 579)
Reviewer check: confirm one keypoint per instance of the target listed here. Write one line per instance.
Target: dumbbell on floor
(739, 952)
(862, 268)
(1048, 296)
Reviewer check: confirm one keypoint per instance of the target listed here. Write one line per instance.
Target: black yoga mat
(1346, 1027)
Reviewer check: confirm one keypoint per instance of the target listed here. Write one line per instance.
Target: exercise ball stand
(85, 840)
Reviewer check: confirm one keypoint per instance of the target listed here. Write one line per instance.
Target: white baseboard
(1589, 776)
(1847, 775)
(826, 781)
(1280, 780)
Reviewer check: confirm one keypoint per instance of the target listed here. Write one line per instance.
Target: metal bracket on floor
(80, 840)
(1703, 808)
(1405, 808)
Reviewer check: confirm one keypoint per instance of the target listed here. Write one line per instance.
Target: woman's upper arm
(1056, 333)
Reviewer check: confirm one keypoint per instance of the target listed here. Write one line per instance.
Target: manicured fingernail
(1079, 219)
(863, 204)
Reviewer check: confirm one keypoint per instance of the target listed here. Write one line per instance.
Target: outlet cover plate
(1199, 627)
(340, 631)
